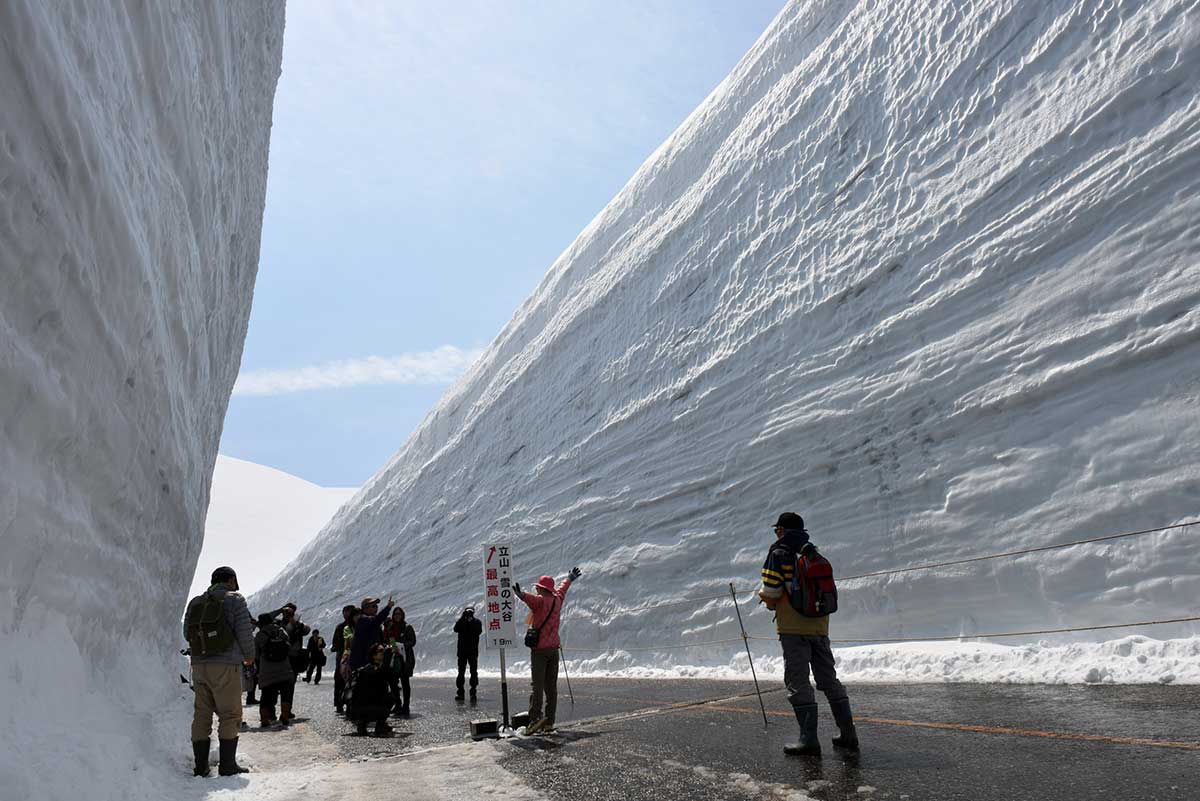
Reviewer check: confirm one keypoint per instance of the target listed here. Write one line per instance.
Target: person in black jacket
(316, 656)
(339, 647)
(372, 699)
(469, 629)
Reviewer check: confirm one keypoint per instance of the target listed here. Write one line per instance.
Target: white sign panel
(499, 601)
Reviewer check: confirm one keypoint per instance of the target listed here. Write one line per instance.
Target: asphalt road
(697, 740)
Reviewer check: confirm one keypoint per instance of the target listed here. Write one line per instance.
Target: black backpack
(278, 645)
(208, 632)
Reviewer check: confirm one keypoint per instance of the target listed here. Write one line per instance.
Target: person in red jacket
(545, 614)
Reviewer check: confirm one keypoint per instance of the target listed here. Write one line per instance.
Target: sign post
(499, 620)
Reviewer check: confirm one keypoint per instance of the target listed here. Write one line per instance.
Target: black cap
(790, 521)
(223, 574)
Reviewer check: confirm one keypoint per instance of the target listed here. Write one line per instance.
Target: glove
(517, 588)
(575, 573)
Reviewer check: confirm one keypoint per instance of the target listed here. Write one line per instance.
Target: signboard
(499, 600)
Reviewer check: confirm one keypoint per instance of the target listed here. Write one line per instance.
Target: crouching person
(798, 586)
(372, 699)
(219, 633)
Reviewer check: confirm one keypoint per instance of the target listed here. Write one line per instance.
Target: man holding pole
(805, 639)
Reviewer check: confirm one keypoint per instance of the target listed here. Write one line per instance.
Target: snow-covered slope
(258, 520)
(928, 274)
(133, 163)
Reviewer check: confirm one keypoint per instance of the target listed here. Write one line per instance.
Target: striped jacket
(777, 572)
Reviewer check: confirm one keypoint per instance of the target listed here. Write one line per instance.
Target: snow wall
(926, 273)
(133, 165)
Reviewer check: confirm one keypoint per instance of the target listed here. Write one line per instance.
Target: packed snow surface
(926, 273)
(258, 520)
(133, 165)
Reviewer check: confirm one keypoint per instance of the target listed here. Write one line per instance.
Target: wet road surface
(697, 739)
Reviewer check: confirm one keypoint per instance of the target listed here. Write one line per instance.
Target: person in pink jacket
(545, 613)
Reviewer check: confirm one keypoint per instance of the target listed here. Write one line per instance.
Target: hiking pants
(800, 651)
(544, 665)
(285, 691)
(463, 661)
(218, 688)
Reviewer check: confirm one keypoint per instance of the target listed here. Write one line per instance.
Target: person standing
(368, 631)
(339, 649)
(402, 639)
(220, 636)
(296, 631)
(805, 642)
(316, 656)
(276, 679)
(545, 613)
(469, 629)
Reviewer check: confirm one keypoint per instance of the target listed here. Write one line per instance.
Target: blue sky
(429, 162)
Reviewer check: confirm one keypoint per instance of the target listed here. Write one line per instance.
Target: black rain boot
(229, 765)
(382, 729)
(809, 745)
(458, 696)
(200, 750)
(250, 699)
(362, 728)
(848, 737)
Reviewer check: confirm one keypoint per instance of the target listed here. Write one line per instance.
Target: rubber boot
(361, 728)
(229, 765)
(382, 729)
(809, 745)
(848, 736)
(285, 715)
(250, 699)
(264, 718)
(458, 696)
(200, 750)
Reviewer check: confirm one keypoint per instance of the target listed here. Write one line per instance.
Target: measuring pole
(746, 640)
(504, 694)
(563, 656)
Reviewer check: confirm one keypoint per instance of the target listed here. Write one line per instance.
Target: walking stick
(746, 640)
(566, 673)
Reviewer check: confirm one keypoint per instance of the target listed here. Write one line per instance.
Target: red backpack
(812, 591)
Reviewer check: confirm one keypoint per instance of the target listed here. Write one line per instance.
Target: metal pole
(566, 673)
(504, 691)
(746, 640)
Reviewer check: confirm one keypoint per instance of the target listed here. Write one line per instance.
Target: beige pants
(218, 692)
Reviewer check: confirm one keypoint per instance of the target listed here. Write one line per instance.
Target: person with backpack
(316, 657)
(545, 614)
(797, 584)
(220, 638)
(339, 649)
(372, 698)
(401, 638)
(275, 676)
(469, 629)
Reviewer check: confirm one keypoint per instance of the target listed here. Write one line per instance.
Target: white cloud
(439, 366)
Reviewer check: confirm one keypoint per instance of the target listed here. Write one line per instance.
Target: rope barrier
(946, 638)
(941, 638)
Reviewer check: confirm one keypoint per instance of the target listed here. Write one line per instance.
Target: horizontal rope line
(943, 638)
(1012, 633)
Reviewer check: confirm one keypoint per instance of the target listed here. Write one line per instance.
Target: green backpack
(208, 632)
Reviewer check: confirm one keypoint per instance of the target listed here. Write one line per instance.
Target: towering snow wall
(926, 273)
(133, 164)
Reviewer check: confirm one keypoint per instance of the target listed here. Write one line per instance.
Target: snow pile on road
(258, 520)
(928, 274)
(133, 165)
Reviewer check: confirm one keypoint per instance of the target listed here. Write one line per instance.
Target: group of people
(375, 655)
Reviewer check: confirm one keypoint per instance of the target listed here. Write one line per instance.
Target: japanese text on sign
(499, 620)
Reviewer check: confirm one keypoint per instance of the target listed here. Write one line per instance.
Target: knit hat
(546, 583)
(790, 521)
(223, 574)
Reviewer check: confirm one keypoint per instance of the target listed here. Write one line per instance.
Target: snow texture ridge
(928, 274)
(133, 165)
